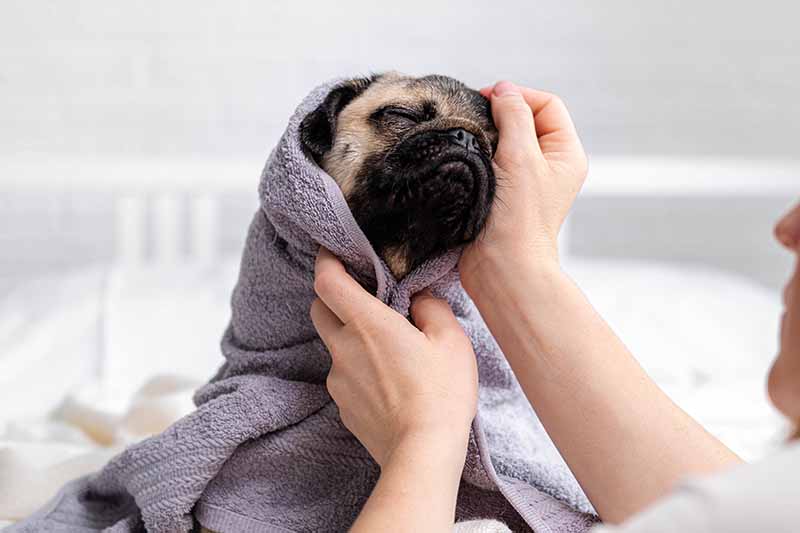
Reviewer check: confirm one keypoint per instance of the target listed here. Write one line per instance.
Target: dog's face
(413, 159)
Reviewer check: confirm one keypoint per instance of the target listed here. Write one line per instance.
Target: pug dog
(413, 158)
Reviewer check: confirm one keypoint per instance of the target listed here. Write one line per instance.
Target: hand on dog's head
(413, 159)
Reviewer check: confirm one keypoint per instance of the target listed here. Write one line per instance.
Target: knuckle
(516, 105)
(515, 158)
(332, 342)
(316, 308)
(577, 166)
(364, 326)
(333, 350)
(455, 335)
(556, 100)
(583, 166)
(553, 99)
(423, 305)
(332, 384)
(326, 282)
(344, 416)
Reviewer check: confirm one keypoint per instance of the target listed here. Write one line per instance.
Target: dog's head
(413, 159)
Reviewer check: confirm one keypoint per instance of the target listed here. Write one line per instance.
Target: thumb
(433, 316)
(514, 120)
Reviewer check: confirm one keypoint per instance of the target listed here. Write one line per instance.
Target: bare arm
(624, 439)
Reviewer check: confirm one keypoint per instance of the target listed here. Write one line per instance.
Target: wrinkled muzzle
(450, 181)
(435, 195)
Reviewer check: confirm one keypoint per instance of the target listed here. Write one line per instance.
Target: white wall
(203, 77)
(193, 91)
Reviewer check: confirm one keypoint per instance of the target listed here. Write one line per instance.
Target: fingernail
(504, 88)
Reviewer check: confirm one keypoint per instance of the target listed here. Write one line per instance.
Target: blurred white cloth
(706, 337)
(79, 352)
(38, 456)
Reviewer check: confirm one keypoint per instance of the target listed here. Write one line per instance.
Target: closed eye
(403, 113)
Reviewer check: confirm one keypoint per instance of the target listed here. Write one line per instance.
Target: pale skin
(409, 392)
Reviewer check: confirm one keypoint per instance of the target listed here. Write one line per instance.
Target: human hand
(394, 382)
(540, 167)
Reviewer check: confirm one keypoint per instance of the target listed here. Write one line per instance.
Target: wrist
(498, 274)
(418, 485)
(443, 448)
(512, 299)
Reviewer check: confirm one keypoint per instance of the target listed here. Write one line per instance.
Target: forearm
(417, 487)
(624, 439)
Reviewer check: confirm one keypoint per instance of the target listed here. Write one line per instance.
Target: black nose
(462, 137)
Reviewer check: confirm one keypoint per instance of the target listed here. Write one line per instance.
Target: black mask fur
(428, 185)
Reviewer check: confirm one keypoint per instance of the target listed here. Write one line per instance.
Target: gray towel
(265, 449)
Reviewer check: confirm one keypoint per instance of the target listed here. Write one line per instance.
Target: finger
(334, 383)
(554, 126)
(325, 321)
(338, 290)
(486, 92)
(514, 120)
(433, 316)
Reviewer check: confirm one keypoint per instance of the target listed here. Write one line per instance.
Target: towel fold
(265, 449)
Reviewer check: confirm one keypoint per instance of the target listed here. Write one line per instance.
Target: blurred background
(689, 100)
(132, 136)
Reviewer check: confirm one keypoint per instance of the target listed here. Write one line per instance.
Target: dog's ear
(318, 127)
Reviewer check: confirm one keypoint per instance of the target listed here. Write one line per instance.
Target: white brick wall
(199, 76)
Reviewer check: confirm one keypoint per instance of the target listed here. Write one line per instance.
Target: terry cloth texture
(265, 449)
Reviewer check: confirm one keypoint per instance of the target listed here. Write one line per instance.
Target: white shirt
(755, 498)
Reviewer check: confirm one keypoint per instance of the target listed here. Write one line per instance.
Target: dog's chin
(425, 207)
(461, 190)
